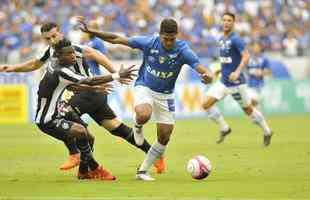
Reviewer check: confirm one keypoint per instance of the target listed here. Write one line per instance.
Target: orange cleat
(159, 165)
(73, 161)
(101, 173)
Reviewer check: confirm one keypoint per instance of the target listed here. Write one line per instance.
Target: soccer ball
(199, 167)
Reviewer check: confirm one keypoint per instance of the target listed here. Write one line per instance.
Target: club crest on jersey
(65, 125)
(162, 59)
(151, 59)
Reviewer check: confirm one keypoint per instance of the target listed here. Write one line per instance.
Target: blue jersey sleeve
(139, 42)
(190, 58)
(239, 44)
(98, 44)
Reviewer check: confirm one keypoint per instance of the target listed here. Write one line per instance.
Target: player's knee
(163, 139)
(205, 105)
(248, 110)
(79, 131)
(91, 139)
(142, 117)
(254, 102)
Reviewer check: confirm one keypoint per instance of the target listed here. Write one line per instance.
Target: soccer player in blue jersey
(234, 58)
(257, 68)
(163, 57)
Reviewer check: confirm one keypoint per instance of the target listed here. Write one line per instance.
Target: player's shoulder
(152, 38)
(235, 36)
(151, 41)
(45, 48)
(182, 45)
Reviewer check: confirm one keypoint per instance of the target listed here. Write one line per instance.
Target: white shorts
(162, 104)
(253, 93)
(239, 93)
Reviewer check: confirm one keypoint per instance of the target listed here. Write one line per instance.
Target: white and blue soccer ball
(199, 167)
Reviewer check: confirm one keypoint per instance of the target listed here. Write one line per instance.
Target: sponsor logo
(159, 74)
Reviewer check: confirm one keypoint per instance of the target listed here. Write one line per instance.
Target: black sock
(86, 154)
(93, 164)
(83, 167)
(71, 145)
(126, 133)
(91, 140)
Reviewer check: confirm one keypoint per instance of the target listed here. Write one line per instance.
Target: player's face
(228, 23)
(168, 40)
(67, 56)
(52, 37)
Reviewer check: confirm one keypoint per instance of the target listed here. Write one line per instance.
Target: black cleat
(267, 139)
(223, 134)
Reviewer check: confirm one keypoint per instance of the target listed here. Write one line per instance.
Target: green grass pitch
(242, 168)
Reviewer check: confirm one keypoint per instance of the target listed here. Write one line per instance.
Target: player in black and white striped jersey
(51, 34)
(57, 78)
(82, 101)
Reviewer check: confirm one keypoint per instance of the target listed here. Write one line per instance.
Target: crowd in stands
(278, 25)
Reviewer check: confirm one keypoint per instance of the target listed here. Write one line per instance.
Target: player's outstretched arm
(28, 66)
(104, 88)
(124, 74)
(106, 36)
(205, 74)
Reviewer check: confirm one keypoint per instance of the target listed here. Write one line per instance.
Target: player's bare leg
(164, 132)
(143, 114)
(119, 129)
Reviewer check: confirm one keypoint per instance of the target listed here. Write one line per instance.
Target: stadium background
(242, 169)
(279, 26)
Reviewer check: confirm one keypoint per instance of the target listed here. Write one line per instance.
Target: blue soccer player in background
(234, 58)
(96, 43)
(163, 57)
(257, 68)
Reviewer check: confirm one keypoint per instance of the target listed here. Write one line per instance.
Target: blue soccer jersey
(230, 58)
(160, 67)
(97, 44)
(255, 63)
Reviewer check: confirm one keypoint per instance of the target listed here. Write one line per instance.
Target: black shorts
(58, 128)
(95, 104)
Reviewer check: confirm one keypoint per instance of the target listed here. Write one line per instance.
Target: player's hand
(127, 74)
(234, 76)
(207, 78)
(82, 24)
(7, 68)
(104, 88)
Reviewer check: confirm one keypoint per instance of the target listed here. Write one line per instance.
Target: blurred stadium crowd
(279, 25)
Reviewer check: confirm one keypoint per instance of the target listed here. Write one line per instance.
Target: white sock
(215, 115)
(154, 152)
(259, 119)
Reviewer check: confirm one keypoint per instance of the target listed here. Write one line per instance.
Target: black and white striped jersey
(55, 80)
(47, 56)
